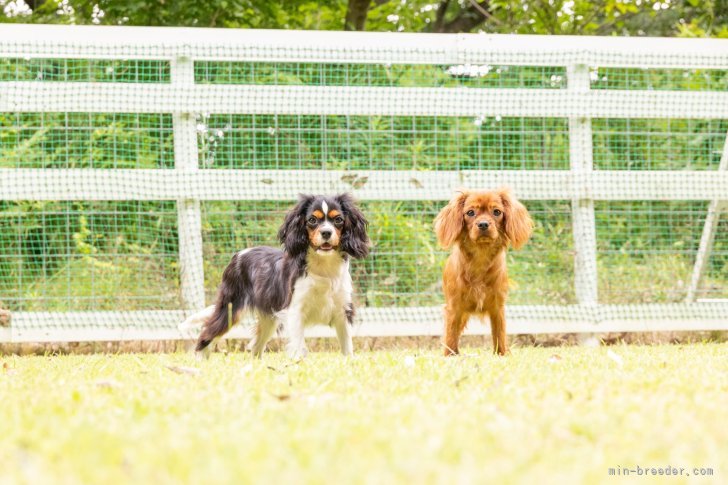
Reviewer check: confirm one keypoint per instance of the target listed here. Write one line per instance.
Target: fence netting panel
(123, 249)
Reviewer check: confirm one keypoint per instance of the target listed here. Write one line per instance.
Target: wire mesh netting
(63, 256)
(383, 142)
(662, 79)
(86, 140)
(341, 74)
(647, 250)
(670, 144)
(84, 70)
(124, 255)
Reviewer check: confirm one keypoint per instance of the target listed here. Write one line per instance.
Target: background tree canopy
(689, 18)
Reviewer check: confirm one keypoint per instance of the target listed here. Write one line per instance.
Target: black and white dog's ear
(292, 233)
(354, 239)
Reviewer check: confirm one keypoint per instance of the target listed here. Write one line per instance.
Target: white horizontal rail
(57, 41)
(30, 96)
(382, 322)
(210, 184)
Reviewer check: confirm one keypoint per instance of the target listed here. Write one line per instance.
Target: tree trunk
(356, 14)
(469, 17)
(34, 4)
(440, 17)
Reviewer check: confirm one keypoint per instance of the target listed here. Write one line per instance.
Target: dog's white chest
(319, 300)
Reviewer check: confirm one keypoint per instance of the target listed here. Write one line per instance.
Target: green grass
(541, 415)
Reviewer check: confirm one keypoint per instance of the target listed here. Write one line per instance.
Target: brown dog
(479, 227)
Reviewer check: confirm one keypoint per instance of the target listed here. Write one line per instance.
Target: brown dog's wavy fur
(475, 280)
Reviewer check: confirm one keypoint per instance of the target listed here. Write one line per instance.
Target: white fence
(189, 184)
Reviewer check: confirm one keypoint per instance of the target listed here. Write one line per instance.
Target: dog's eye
(312, 220)
(497, 212)
(470, 213)
(339, 220)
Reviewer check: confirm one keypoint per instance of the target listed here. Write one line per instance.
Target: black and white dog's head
(327, 225)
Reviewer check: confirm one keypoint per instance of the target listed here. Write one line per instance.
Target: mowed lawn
(541, 415)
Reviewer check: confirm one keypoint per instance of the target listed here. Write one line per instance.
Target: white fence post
(708, 236)
(189, 219)
(582, 208)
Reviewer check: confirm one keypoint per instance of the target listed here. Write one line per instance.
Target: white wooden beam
(582, 204)
(30, 96)
(211, 184)
(189, 219)
(45, 41)
(382, 322)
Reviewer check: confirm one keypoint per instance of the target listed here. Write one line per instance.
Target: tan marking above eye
(318, 214)
(334, 213)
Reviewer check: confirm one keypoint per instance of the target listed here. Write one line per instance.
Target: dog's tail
(218, 324)
(230, 301)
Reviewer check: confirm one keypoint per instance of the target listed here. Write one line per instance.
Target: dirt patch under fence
(362, 344)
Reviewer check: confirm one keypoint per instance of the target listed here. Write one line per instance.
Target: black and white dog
(305, 283)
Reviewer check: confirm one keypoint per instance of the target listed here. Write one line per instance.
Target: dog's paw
(296, 353)
(256, 351)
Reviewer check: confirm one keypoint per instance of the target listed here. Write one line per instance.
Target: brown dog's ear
(518, 223)
(449, 222)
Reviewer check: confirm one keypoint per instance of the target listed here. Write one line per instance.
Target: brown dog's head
(484, 218)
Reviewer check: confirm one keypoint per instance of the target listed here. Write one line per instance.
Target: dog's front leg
(343, 332)
(498, 330)
(296, 346)
(455, 321)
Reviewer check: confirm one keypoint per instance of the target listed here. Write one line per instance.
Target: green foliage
(84, 70)
(88, 256)
(669, 144)
(549, 252)
(261, 14)
(689, 18)
(400, 75)
(405, 265)
(661, 79)
(383, 142)
(86, 140)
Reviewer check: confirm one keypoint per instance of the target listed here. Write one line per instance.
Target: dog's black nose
(326, 234)
(483, 225)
